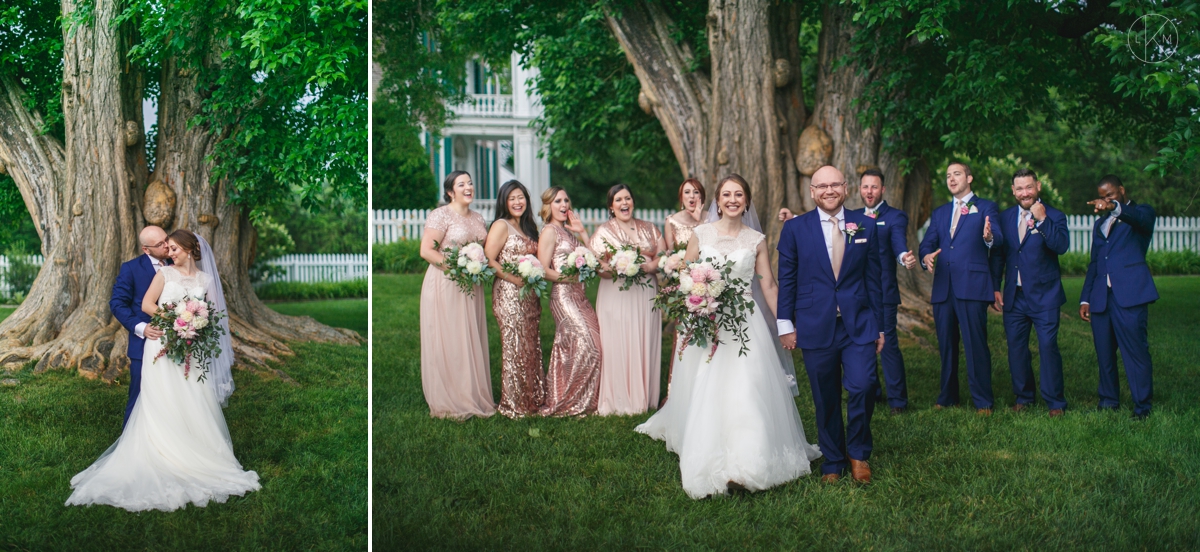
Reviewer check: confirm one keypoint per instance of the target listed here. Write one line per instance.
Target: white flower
(699, 289)
(525, 268)
(685, 283)
(632, 269)
(536, 274)
(474, 267)
(180, 308)
(715, 288)
(199, 323)
(186, 316)
(462, 260)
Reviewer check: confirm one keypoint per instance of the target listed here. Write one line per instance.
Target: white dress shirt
(140, 329)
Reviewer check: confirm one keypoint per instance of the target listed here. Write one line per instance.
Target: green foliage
(1161, 263)
(31, 43)
(18, 230)
(306, 441)
(273, 243)
(400, 257)
(993, 180)
(945, 479)
(20, 274)
(309, 291)
(329, 224)
(401, 177)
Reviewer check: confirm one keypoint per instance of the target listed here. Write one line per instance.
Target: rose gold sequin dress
(573, 380)
(630, 328)
(522, 385)
(455, 369)
(682, 227)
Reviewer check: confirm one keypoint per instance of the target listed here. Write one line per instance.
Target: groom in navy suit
(831, 310)
(1033, 292)
(1117, 293)
(962, 232)
(126, 303)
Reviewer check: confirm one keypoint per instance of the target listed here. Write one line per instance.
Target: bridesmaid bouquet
(582, 263)
(467, 266)
(671, 264)
(528, 268)
(704, 302)
(626, 263)
(190, 331)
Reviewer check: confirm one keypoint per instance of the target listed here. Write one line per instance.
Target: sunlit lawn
(307, 442)
(943, 479)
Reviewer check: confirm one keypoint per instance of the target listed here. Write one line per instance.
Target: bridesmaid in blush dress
(630, 326)
(455, 369)
(678, 230)
(573, 379)
(513, 234)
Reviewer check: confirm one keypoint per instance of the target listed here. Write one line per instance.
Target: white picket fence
(409, 224)
(297, 268)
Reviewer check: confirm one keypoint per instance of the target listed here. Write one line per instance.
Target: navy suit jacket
(126, 302)
(808, 294)
(1036, 258)
(891, 224)
(965, 259)
(1121, 257)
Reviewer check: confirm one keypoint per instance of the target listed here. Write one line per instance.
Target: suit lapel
(814, 225)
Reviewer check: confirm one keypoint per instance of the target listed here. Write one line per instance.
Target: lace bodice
(740, 249)
(178, 286)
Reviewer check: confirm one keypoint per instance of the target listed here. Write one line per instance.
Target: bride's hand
(152, 333)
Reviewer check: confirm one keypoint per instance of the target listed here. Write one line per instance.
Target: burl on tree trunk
(86, 197)
(747, 114)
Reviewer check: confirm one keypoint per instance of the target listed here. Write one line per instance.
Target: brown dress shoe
(830, 478)
(897, 410)
(984, 412)
(1056, 412)
(860, 470)
(1019, 407)
(938, 407)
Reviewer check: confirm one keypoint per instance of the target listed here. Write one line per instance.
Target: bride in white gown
(732, 420)
(175, 449)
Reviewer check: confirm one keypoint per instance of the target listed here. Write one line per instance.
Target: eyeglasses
(157, 245)
(823, 187)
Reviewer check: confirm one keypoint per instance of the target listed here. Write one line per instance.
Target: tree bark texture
(85, 197)
(748, 115)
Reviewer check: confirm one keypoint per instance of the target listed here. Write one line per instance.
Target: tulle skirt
(733, 418)
(175, 448)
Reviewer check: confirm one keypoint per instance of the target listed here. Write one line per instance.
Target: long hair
(448, 184)
(547, 199)
(527, 225)
(612, 195)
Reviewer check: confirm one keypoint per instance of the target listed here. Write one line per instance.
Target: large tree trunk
(748, 116)
(86, 199)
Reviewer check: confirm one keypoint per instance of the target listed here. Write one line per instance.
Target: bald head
(154, 242)
(828, 188)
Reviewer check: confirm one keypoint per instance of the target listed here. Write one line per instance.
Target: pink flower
(579, 261)
(1029, 223)
(695, 303)
(193, 306)
(180, 324)
(964, 210)
(872, 215)
(851, 227)
(701, 273)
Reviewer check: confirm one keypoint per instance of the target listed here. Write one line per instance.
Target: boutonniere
(873, 214)
(851, 230)
(969, 208)
(1032, 226)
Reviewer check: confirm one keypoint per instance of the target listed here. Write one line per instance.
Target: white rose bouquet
(626, 264)
(467, 266)
(582, 263)
(529, 269)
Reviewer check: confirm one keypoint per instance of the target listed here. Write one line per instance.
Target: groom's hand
(879, 343)
(152, 333)
(788, 341)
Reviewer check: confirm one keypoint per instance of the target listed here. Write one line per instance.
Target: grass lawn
(339, 313)
(308, 444)
(942, 479)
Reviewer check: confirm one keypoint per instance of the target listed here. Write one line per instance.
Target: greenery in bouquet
(529, 269)
(626, 265)
(467, 266)
(705, 300)
(191, 333)
(581, 263)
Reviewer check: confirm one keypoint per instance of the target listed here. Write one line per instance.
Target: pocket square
(861, 240)
(881, 223)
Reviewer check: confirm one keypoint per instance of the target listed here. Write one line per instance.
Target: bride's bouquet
(582, 263)
(528, 268)
(626, 263)
(190, 331)
(704, 301)
(467, 266)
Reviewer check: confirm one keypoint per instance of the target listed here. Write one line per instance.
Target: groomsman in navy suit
(1117, 293)
(892, 226)
(829, 285)
(1033, 292)
(126, 303)
(961, 233)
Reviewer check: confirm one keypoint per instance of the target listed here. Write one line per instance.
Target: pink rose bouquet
(705, 301)
(581, 263)
(529, 269)
(190, 332)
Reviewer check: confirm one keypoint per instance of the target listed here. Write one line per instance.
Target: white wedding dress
(175, 448)
(733, 418)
